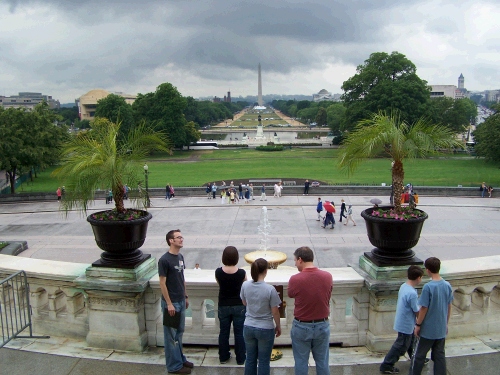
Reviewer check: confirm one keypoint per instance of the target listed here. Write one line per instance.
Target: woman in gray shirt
(262, 302)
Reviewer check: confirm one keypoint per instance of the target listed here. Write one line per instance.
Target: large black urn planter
(392, 238)
(120, 241)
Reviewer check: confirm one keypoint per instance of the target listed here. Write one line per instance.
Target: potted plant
(100, 158)
(394, 230)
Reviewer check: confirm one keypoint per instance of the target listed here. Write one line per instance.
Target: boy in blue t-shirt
(406, 312)
(432, 320)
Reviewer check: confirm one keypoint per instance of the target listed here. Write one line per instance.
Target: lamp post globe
(146, 173)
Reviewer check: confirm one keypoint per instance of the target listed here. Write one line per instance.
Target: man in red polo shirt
(312, 289)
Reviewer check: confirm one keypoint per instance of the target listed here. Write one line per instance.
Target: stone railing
(362, 309)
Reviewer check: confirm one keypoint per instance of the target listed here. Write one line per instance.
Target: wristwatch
(418, 325)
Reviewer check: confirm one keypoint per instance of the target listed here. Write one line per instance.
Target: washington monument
(260, 102)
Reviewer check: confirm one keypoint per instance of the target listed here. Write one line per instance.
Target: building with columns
(87, 103)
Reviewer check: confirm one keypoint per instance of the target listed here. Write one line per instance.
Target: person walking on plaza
(404, 324)
(310, 328)
(319, 208)
(231, 308)
(342, 210)
(247, 196)
(431, 327)
(208, 190)
(174, 300)
(349, 216)
(250, 187)
(263, 193)
(59, 194)
(306, 187)
(167, 192)
(262, 302)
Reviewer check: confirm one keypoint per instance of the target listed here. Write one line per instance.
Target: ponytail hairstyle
(258, 267)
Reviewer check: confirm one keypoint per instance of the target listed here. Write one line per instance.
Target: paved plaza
(457, 228)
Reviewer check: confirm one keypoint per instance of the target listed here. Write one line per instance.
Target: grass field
(195, 168)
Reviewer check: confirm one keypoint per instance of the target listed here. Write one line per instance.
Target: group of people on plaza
(169, 192)
(345, 213)
(486, 189)
(230, 194)
(252, 307)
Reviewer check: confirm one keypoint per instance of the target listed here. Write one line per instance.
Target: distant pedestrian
(247, 196)
(263, 193)
(197, 266)
(490, 190)
(208, 190)
(126, 190)
(172, 192)
(319, 209)
(240, 191)
(167, 192)
(483, 189)
(223, 196)
(342, 210)
(232, 195)
(276, 190)
(349, 216)
(432, 321)
(59, 194)
(110, 196)
(250, 187)
(306, 187)
(214, 189)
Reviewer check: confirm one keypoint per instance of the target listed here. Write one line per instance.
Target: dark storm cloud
(99, 43)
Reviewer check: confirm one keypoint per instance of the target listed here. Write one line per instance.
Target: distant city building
(449, 91)
(87, 103)
(324, 95)
(461, 82)
(492, 96)
(28, 100)
(227, 98)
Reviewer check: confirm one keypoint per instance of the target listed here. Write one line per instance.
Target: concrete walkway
(456, 228)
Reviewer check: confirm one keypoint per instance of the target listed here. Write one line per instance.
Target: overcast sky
(66, 48)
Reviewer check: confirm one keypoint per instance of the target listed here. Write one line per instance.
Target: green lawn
(195, 168)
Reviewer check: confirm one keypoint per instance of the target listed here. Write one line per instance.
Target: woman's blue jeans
(172, 339)
(236, 315)
(259, 343)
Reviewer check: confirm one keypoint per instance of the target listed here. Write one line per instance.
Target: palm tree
(99, 158)
(384, 134)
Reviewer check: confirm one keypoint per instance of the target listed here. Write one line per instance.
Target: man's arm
(420, 319)
(166, 296)
(186, 295)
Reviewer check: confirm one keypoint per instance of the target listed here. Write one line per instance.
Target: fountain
(274, 258)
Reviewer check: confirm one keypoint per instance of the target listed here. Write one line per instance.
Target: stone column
(116, 300)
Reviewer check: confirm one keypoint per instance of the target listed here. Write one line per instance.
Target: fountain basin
(274, 258)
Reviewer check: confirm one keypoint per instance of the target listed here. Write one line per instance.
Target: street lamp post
(146, 173)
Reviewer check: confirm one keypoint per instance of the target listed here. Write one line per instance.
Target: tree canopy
(486, 137)
(455, 114)
(28, 140)
(384, 83)
(114, 108)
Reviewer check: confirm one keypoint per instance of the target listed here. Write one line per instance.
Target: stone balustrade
(362, 310)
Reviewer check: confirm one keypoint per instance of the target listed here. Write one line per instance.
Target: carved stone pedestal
(116, 311)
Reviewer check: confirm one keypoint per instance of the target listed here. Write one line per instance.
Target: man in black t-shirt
(174, 299)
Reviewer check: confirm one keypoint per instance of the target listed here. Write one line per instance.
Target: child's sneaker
(393, 370)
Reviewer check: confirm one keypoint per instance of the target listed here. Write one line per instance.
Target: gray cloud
(69, 46)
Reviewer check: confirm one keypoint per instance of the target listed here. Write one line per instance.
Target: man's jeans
(437, 356)
(402, 345)
(174, 357)
(259, 343)
(236, 315)
(311, 337)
